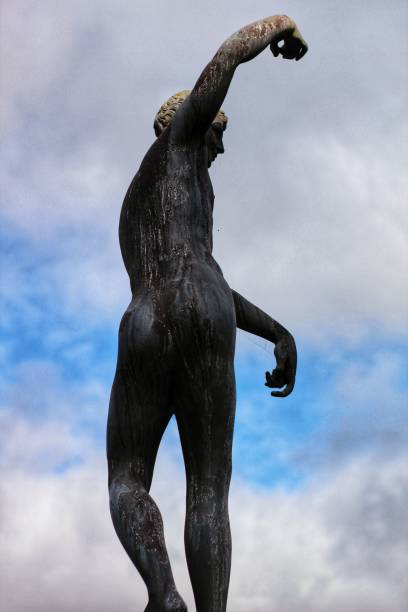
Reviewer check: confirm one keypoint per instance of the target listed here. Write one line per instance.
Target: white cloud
(310, 213)
(35, 44)
(329, 251)
(51, 446)
(314, 162)
(330, 547)
(54, 398)
(338, 544)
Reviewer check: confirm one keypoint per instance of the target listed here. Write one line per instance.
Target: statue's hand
(285, 371)
(292, 46)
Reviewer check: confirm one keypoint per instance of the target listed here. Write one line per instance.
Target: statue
(177, 336)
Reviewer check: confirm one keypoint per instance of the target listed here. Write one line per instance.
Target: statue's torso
(166, 241)
(167, 218)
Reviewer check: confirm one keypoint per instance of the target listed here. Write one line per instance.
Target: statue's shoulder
(161, 163)
(153, 164)
(163, 156)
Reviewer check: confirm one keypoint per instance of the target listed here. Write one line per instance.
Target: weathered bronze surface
(177, 336)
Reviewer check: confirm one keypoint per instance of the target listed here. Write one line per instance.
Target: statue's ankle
(169, 602)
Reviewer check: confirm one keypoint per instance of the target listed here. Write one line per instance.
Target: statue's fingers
(285, 392)
(269, 380)
(302, 52)
(276, 379)
(275, 49)
(279, 393)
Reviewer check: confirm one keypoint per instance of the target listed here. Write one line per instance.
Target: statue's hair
(167, 111)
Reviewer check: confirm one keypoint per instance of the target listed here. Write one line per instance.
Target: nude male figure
(177, 336)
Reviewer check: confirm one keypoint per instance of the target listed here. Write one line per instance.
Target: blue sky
(310, 224)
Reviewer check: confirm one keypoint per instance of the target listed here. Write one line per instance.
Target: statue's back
(166, 219)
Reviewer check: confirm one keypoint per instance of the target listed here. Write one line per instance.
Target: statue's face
(213, 141)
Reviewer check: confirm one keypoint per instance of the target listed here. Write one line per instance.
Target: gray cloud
(39, 394)
(309, 223)
(338, 542)
(336, 545)
(309, 206)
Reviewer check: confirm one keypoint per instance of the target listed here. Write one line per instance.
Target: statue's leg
(205, 416)
(137, 420)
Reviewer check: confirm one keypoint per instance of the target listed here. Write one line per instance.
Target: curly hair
(167, 111)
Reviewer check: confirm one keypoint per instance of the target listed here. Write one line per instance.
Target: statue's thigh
(205, 412)
(140, 403)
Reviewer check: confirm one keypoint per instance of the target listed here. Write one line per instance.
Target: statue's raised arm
(196, 114)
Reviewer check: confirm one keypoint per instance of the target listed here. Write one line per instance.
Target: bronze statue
(177, 336)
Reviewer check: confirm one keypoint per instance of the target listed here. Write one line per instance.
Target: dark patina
(177, 338)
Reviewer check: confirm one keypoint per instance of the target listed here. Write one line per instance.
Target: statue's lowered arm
(252, 319)
(200, 108)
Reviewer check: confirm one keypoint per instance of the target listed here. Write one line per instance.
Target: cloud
(330, 249)
(333, 540)
(52, 446)
(336, 544)
(309, 222)
(55, 398)
(58, 551)
(314, 164)
(316, 553)
(346, 404)
(35, 41)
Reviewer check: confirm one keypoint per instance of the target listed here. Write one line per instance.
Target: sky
(310, 224)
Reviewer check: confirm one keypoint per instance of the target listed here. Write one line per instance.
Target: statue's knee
(122, 485)
(207, 502)
(135, 473)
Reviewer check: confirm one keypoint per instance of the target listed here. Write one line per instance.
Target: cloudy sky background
(310, 224)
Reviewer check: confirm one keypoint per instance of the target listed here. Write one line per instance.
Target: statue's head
(214, 135)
